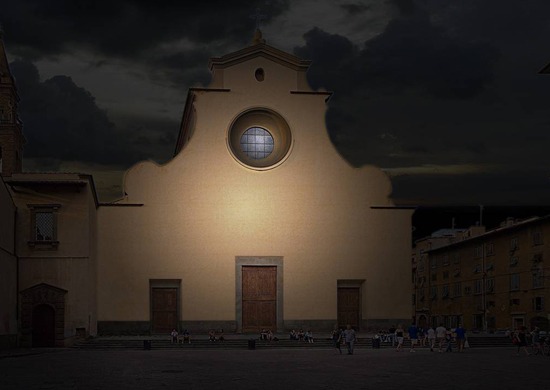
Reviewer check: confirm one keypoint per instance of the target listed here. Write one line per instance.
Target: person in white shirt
(440, 333)
(431, 338)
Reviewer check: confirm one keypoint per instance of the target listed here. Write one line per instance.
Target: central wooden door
(259, 300)
(348, 307)
(164, 310)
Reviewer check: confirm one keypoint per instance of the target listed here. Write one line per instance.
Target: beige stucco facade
(194, 217)
(218, 237)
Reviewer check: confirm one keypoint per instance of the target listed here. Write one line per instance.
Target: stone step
(243, 343)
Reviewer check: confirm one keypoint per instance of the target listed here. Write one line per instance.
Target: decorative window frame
(456, 258)
(514, 244)
(433, 293)
(490, 285)
(445, 293)
(478, 285)
(538, 304)
(536, 237)
(538, 278)
(457, 289)
(478, 251)
(515, 282)
(43, 208)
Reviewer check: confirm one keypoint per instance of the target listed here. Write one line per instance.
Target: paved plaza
(484, 368)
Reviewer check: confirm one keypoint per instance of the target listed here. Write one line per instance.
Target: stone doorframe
(261, 261)
(37, 295)
(164, 283)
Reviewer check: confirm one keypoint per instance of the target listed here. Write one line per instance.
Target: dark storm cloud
(507, 188)
(411, 53)
(412, 60)
(354, 9)
(170, 66)
(405, 7)
(126, 28)
(62, 122)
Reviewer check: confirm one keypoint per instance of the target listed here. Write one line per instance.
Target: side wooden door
(259, 300)
(164, 309)
(348, 307)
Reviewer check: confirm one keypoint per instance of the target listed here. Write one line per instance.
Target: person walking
(431, 338)
(535, 341)
(337, 335)
(413, 335)
(522, 340)
(449, 339)
(350, 337)
(399, 334)
(440, 333)
(460, 334)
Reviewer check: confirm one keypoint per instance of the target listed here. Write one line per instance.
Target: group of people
(441, 338)
(183, 338)
(300, 335)
(520, 339)
(347, 336)
(267, 335)
(216, 335)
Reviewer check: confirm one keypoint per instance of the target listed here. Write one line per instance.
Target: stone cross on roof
(258, 16)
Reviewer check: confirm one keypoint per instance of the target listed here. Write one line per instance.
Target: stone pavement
(484, 368)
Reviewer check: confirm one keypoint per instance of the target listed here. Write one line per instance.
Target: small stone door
(259, 298)
(348, 307)
(164, 310)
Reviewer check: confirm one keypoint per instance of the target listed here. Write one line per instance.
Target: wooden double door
(164, 310)
(348, 307)
(259, 298)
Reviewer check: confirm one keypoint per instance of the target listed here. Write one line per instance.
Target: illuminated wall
(191, 218)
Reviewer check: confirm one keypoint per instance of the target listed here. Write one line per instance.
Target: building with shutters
(487, 280)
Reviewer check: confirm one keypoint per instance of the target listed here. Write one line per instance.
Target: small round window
(257, 143)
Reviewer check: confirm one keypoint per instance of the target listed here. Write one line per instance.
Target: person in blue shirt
(413, 335)
(460, 334)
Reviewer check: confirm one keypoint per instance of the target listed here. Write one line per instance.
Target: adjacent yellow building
(487, 280)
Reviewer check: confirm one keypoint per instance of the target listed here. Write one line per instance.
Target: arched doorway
(43, 316)
(43, 326)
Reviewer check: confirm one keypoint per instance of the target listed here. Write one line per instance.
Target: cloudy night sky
(444, 95)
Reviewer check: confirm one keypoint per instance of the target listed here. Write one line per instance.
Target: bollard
(251, 344)
(146, 344)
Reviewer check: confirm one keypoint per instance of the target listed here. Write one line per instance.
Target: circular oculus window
(259, 139)
(257, 143)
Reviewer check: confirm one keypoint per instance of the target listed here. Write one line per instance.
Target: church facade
(257, 222)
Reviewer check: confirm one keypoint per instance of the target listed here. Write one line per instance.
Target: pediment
(259, 50)
(44, 286)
